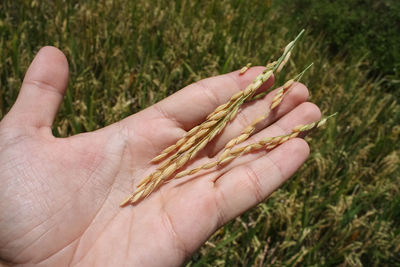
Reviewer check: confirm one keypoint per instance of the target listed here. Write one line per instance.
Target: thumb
(42, 90)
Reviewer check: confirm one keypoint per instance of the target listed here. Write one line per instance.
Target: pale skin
(59, 197)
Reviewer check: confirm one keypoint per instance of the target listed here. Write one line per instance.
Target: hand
(59, 197)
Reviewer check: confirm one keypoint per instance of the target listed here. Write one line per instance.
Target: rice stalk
(198, 137)
(267, 143)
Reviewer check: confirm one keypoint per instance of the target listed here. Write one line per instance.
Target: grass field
(341, 208)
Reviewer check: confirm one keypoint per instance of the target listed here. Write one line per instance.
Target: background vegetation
(366, 28)
(343, 206)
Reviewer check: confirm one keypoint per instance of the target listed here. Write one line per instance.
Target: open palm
(59, 197)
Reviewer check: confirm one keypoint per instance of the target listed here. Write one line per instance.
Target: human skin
(59, 197)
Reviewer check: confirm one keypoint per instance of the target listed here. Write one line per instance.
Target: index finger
(189, 106)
